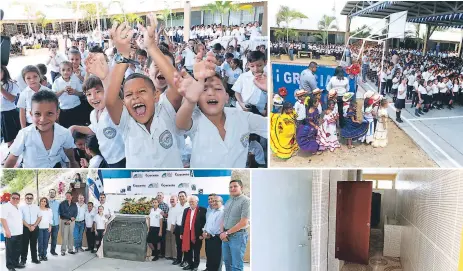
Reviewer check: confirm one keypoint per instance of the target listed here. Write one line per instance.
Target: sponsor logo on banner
(152, 182)
(151, 175)
(167, 175)
(187, 174)
(153, 185)
(137, 175)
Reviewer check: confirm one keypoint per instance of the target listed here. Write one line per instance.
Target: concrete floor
(89, 262)
(438, 132)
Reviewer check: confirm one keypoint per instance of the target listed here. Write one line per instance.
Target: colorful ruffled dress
(353, 130)
(306, 134)
(380, 138)
(327, 135)
(283, 135)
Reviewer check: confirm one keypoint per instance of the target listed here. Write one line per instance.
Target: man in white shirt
(108, 212)
(11, 219)
(180, 207)
(211, 234)
(171, 247)
(189, 55)
(79, 227)
(31, 219)
(89, 231)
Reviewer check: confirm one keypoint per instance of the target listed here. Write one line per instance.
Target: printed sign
(151, 182)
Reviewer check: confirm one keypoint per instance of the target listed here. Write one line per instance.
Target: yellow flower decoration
(306, 101)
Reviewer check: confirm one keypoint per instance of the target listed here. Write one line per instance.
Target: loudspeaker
(5, 45)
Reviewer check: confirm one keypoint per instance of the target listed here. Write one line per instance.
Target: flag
(95, 183)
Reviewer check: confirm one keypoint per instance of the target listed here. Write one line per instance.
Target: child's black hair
(73, 51)
(6, 77)
(77, 136)
(95, 49)
(141, 52)
(42, 68)
(229, 55)
(92, 144)
(254, 56)
(148, 81)
(45, 96)
(238, 62)
(217, 47)
(65, 63)
(30, 68)
(91, 82)
(166, 52)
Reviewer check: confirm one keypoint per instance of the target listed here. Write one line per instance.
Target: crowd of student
(316, 49)
(219, 122)
(175, 231)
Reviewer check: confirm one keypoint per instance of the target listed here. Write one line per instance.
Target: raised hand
(203, 69)
(188, 87)
(260, 81)
(149, 32)
(121, 36)
(96, 64)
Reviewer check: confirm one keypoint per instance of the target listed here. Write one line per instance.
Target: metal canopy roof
(438, 13)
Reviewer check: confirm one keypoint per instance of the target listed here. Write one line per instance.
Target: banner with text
(151, 182)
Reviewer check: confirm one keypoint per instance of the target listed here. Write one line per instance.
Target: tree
(90, 11)
(41, 19)
(224, 7)
(326, 24)
(287, 15)
(130, 17)
(365, 31)
(281, 34)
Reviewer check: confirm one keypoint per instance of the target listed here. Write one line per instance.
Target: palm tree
(224, 7)
(165, 15)
(287, 15)
(326, 24)
(281, 34)
(365, 31)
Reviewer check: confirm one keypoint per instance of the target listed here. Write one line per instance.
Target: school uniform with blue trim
(29, 143)
(70, 113)
(10, 123)
(25, 101)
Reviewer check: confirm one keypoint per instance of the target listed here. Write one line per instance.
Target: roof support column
(347, 34)
(265, 20)
(426, 38)
(186, 21)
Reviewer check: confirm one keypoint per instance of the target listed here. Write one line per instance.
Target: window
(382, 184)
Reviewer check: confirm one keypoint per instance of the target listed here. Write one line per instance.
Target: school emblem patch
(166, 140)
(109, 132)
(245, 140)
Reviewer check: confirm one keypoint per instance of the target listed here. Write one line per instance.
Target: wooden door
(353, 213)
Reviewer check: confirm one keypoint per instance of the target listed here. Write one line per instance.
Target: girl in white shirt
(435, 93)
(231, 75)
(9, 114)
(341, 84)
(155, 221)
(44, 228)
(421, 91)
(401, 95)
(93, 150)
(395, 86)
(99, 224)
(454, 93)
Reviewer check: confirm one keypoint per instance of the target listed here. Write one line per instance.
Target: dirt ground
(401, 151)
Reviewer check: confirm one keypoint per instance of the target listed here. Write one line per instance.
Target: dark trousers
(409, 92)
(98, 238)
(178, 241)
(29, 238)
(120, 164)
(214, 253)
(383, 88)
(163, 238)
(90, 238)
(54, 237)
(13, 251)
(192, 256)
(388, 85)
(340, 111)
(54, 75)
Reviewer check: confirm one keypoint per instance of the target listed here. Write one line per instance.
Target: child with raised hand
(220, 135)
(32, 77)
(42, 143)
(148, 128)
(109, 138)
(68, 89)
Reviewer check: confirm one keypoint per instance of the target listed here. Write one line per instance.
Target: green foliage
(287, 15)
(17, 179)
(130, 17)
(326, 24)
(366, 31)
(89, 11)
(224, 7)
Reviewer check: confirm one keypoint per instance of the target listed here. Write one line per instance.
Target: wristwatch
(118, 58)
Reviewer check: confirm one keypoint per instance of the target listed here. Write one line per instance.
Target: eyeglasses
(15, 198)
(29, 198)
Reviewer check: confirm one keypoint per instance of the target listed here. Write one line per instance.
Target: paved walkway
(439, 132)
(89, 262)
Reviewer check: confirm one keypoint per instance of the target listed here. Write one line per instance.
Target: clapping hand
(96, 64)
(121, 36)
(260, 80)
(70, 90)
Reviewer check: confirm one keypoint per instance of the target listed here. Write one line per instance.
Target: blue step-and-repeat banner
(285, 75)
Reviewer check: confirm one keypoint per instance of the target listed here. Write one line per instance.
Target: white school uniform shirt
(106, 209)
(47, 218)
(67, 101)
(411, 80)
(13, 89)
(29, 143)
(100, 221)
(299, 107)
(128, 72)
(179, 213)
(233, 75)
(404, 94)
(13, 217)
(256, 149)
(20, 82)
(30, 213)
(210, 151)
(157, 148)
(435, 89)
(25, 101)
(56, 61)
(95, 161)
(155, 216)
(442, 87)
(422, 90)
(189, 56)
(89, 217)
(250, 93)
(395, 83)
(109, 137)
(82, 73)
(456, 87)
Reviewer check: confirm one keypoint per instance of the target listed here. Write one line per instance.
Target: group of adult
(175, 231)
(33, 226)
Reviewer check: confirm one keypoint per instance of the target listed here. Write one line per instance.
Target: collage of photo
(335, 127)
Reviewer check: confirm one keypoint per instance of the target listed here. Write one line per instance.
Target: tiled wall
(430, 205)
(388, 203)
(320, 198)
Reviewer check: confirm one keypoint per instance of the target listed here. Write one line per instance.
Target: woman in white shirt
(341, 84)
(44, 228)
(401, 95)
(9, 114)
(100, 223)
(155, 229)
(420, 98)
(395, 85)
